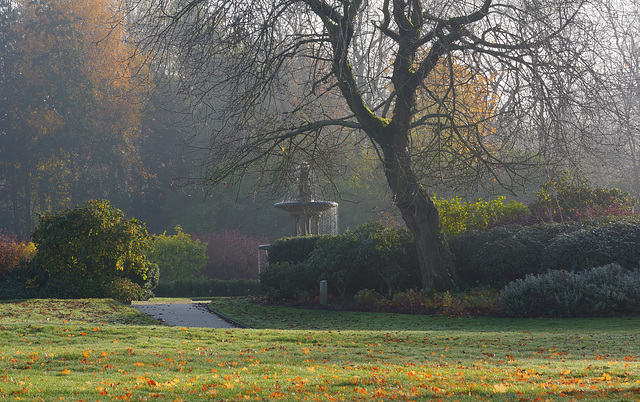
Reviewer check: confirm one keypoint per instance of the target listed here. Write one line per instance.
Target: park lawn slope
(88, 359)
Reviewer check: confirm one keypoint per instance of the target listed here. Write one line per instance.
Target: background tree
(283, 82)
(71, 120)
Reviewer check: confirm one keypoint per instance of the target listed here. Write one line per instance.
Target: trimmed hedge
(287, 280)
(602, 291)
(208, 288)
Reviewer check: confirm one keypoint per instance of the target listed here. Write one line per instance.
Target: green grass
(99, 350)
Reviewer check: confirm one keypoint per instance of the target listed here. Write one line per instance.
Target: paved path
(183, 314)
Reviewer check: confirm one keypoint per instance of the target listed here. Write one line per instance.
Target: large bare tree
(281, 81)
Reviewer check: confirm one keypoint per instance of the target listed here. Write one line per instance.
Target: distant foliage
(603, 291)
(82, 249)
(178, 257)
(13, 253)
(458, 216)
(570, 198)
(231, 255)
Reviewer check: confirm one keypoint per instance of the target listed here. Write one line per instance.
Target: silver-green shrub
(602, 291)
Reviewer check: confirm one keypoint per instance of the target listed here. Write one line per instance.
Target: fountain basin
(305, 208)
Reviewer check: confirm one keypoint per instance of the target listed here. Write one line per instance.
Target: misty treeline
(84, 114)
(81, 118)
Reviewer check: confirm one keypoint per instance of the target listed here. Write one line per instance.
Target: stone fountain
(305, 211)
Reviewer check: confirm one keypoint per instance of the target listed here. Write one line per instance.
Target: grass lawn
(100, 350)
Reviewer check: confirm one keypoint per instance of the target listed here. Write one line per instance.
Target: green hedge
(208, 288)
(617, 241)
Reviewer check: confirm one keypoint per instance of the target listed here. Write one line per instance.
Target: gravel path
(183, 314)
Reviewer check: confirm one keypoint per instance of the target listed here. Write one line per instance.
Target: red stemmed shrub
(13, 252)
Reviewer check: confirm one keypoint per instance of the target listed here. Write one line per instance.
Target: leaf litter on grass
(459, 360)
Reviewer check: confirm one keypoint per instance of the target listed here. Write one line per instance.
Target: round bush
(84, 248)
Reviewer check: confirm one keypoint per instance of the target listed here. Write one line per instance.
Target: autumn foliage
(72, 112)
(13, 252)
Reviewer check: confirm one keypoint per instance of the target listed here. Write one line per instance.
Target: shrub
(607, 242)
(602, 291)
(570, 198)
(371, 256)
(178, 256)
(458, 216)
(13, 253)
(500, 255)
(80, 250)
(370, 300)
(231, 255)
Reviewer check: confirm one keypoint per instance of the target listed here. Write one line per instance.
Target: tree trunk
(421, 217)
(28, 222)
(14, 192)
